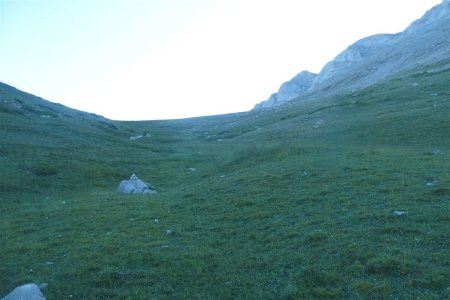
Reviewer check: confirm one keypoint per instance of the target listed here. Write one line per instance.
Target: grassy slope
(291, 203)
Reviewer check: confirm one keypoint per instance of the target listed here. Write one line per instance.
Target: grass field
(292, 203)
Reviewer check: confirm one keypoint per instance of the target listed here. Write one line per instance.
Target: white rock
(137, 137)
(26, 292)
(399, 213)
(136, 186)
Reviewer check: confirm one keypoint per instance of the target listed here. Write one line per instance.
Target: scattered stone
(26, 292)
(136, 137)
(136, 186)
(432, 182)
(319, 124)
(399, 213)
(436, 151)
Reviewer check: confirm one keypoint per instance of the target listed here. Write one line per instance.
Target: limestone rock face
(289, 90)
(378, 57)
(26, 292)
(136, 186)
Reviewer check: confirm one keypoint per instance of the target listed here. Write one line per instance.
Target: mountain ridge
(376, 57)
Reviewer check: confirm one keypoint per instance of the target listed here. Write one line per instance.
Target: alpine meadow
(344, 195)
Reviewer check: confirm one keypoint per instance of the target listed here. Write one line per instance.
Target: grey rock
(26, 292)
(136, 186)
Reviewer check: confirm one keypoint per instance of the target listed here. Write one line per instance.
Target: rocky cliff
(377, 57)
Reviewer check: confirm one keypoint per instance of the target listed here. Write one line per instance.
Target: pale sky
(160, 59)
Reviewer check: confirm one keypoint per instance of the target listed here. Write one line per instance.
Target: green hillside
(292, 203)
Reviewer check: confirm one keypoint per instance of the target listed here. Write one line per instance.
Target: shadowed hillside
(295, 202)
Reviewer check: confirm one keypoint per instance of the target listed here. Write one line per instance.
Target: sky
(166, 59)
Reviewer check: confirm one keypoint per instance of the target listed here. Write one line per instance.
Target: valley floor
(347, 198)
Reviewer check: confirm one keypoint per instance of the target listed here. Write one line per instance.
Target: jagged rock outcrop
(25, 292)
(290, 90)
(136, 186)
(378, 57)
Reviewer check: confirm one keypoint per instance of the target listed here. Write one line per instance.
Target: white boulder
(136, 186)
(26, 292)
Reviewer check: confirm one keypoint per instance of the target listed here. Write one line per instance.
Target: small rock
(192, 169)
(156, 220)
(319, 124)
(431, 182)
(168, 231)
(436, 151)
(43, 286)
(26, 292)
(137, 137)
(49, 263)
(399, 213)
